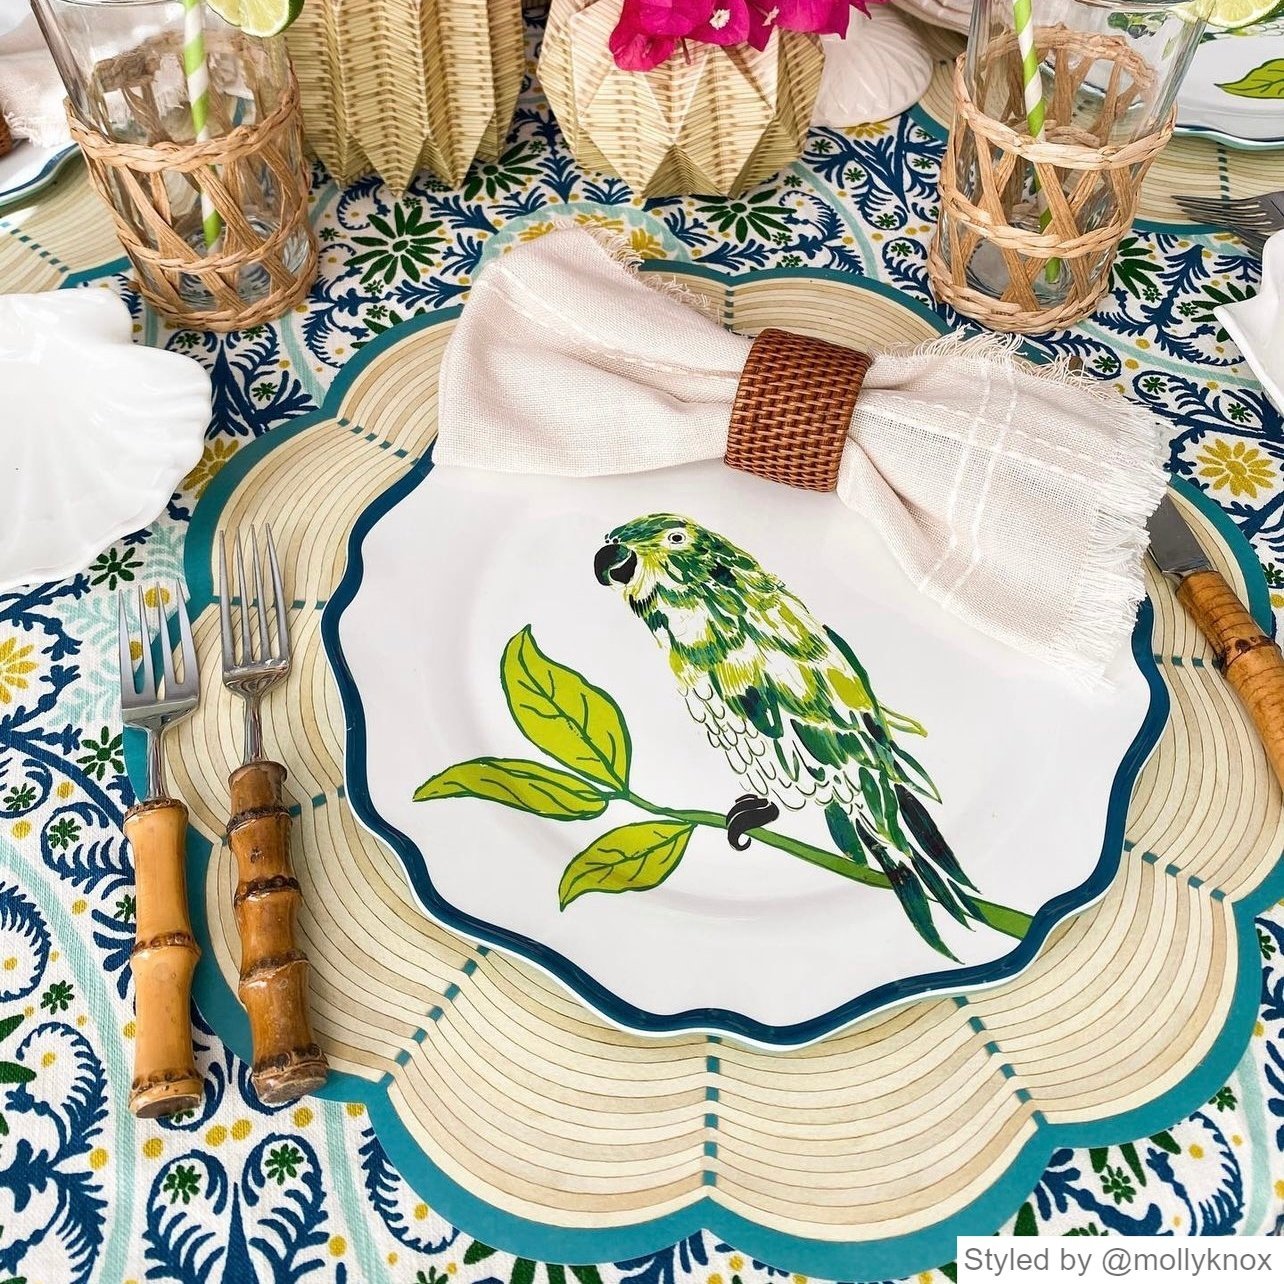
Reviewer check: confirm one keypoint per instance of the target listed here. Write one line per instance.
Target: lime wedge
(1234, 15)
(258, 17)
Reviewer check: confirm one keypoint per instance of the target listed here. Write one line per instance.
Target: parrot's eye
(676, 537)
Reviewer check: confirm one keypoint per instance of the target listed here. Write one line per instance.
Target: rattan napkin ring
(793, 408)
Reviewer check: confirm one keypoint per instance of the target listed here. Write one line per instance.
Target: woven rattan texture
(403, 85)
(1091, 188)
(130, 177)
(793, 407)
(714, 121)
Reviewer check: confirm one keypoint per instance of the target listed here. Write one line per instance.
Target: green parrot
(787, 701)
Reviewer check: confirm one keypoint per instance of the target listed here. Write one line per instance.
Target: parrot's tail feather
(844, 834)
(916, 777)
(930, 839)
(952, 898)
(909, 891)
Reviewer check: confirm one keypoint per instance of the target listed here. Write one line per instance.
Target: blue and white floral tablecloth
(242, 1194)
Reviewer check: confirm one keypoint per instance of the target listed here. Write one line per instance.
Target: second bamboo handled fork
(287, 1061)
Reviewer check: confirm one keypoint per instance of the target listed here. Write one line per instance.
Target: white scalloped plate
(99, 430)
(1035, 775)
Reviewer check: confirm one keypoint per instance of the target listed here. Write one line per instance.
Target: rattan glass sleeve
(129, 178)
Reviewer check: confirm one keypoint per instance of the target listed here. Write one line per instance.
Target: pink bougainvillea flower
(633, 45)
(648, 31)
(728, 24)
(670, 17)
(824, 17)
(762, 22)
(636, 51)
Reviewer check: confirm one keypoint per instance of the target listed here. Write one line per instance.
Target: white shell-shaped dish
(956, 15)
(99, 430)
(877, 70)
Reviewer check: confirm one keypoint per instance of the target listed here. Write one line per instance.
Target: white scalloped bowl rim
(102, 430)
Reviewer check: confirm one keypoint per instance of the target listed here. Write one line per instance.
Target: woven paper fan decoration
(402, 85)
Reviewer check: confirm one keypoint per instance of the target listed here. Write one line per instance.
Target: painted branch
(1001, 918)
(1250, 660)
(287, 1061)
(164, 958)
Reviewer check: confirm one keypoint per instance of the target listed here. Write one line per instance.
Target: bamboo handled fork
(287, 1061)
(165, 952)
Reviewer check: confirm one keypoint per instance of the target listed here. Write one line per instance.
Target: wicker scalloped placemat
(519, 1114)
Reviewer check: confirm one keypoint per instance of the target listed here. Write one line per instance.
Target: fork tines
(154, 631)
(257, 645)
(1253, 218)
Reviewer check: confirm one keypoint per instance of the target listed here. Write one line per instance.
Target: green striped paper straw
(198, 94)
(1035, 111)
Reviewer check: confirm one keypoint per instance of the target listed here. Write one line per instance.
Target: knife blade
(1250, 660)
(1173, 544)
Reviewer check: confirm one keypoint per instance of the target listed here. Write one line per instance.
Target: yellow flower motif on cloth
(868, 129)
(14, 667)
(1236, 466)
(217, 453)
(646, 245)
(534, 231)
(600, 220)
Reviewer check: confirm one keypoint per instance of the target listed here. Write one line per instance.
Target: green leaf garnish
(1266, 81)
(515, 782)
(632, 858)
(565, 715)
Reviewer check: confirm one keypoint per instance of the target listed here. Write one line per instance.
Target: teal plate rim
(899, 1255)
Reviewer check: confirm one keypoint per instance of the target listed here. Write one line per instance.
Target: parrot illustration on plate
(788, 702)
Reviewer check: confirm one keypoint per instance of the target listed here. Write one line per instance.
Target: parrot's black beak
(614, 562)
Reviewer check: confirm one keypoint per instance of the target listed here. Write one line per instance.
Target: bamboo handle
(164, 958)
(1250, 660)
(274, 971)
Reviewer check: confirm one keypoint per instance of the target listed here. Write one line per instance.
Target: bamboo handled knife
(1250, 661)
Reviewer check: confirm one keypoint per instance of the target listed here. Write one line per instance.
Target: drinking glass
(123, 65)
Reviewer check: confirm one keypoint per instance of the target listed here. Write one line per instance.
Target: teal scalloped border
(897, 1256)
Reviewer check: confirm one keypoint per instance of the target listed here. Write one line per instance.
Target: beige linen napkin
(31, 93)
(1013, 495)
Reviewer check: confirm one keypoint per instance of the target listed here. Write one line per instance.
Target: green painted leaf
(632, 858)
(586, 1274)
(11, 1072)
(1266, 81)
(9, 1025)
(515, 782)
(523, 1272)
(563, 714)
(1026, 1222)
(476, 1252)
